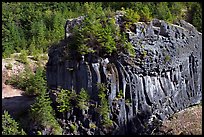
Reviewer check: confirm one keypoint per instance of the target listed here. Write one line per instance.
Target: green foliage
(144, 53)
(127, 101)
(167, 58)
(36, 57)
(9, 66)
(177, 10)
(196, 9)
(10, 126)
(23, 57)
(101, 87)
(129, 47)
(163, 12)
(104, 109)
(82, 99)
(98, 31)
(31, 83)
(63, 98)
(73, 128)
(42, 114)
(131, 15)
(120, 94)
(92, 125)
(145, 14)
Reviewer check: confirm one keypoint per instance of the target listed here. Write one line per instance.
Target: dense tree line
(35, 26)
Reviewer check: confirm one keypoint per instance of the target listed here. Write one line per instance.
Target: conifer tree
(43, 116)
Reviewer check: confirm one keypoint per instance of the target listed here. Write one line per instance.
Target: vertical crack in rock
(146, 83)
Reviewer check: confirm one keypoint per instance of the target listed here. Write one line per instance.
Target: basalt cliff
(164, 77)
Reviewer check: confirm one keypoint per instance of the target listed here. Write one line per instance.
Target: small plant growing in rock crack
(73, 128)
(82, 99)
(65, 99)
(127, 101)
(120, 94)
(129, 47)
(167, 58)
(92, 125)
(104, 109)
(144, 53)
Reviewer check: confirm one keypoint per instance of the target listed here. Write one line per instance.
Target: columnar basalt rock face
(165, 80)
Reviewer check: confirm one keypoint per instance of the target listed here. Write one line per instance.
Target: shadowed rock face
(164, 77)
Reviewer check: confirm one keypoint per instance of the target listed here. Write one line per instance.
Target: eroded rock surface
(163, 78)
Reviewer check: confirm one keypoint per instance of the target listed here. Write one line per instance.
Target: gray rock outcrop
(164, 77)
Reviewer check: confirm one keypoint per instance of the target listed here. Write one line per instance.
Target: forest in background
(31, 27)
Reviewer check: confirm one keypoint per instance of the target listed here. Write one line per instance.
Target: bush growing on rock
(63, 98)
(42, 115)
(82, 99)
(104, 109)
(129, 47)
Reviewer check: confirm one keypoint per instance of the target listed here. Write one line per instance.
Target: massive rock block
(164, 80)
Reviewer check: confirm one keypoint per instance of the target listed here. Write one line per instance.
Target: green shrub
(92, 125)
(36, 57)
(10, 126)
(42, 114)
(9, 66)
(73, 128)
(129, 47)
(104, 109)
(23, 57)
(131, 15)
(163, 12)
(145, 14)
(120, 94)
(82, 99)
(36, 82)
(63, 98)
(196, 9)
(31, 83)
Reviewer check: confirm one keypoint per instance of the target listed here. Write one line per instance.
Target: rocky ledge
(164, 77)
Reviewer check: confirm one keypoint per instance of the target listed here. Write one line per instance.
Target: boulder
(166, 80)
